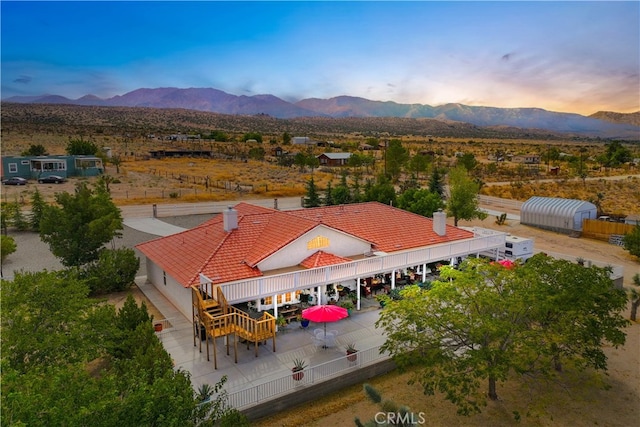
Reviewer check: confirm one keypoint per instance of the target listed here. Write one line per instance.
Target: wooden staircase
(217, 319)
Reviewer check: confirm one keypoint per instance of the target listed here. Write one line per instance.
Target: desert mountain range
(601, 124)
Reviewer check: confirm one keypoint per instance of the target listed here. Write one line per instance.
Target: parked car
(16, 180)
(52, 179)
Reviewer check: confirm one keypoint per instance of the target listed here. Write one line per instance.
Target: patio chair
(317, 342)
(330, 340)
(333, 332)
(318, 331)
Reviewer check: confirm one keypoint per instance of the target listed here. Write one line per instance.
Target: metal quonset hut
(562, 215)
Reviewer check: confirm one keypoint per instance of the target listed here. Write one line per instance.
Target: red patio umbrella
(507, 263)
(324, 313)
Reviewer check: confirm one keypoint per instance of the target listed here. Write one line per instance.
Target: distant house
(301, 140)
(34, 167)
(334, 159)
(161, 154)
(529, 159)
(277, 151)
(632, 219)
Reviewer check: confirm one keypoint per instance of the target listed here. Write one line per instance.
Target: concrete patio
(291, 343)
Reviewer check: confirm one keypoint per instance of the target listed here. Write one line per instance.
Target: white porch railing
(252, 289)
(286, 384)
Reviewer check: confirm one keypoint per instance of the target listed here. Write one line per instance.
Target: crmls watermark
(397, 418)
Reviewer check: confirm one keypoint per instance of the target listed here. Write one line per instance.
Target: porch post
(275, 309)
(424, 273)
(358, 294)
(393, 279)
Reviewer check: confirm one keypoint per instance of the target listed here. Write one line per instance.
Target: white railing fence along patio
(286, 384)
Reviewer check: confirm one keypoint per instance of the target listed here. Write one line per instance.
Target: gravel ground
(33, 255)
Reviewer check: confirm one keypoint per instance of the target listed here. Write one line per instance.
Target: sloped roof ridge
(258, 255)
(214, 252)
(249, 209)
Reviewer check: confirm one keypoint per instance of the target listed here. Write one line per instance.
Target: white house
(270, 257)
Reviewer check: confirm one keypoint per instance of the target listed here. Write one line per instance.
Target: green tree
(114, 271)
(341, 194)
(286, 138)
(71, 360)
(19, 221)
(483, 322)
(257, 153)
(218, 135)
(7, 247)
(356, 191)
(43, 313)
(312, 199)
(436, 184)
(80, 147)
(463, 201)
(420, 201)
(381, 191)
(632, 241)
(35, 150)
(37, 209)
(252, 135)
(328, 195)
(80, 225)
(116, 160)
(468, 160)
(616, 154)
(300, 160)
(464, 330)
(419, 163)
(577, 310)
(396, 156)
(6, 215)
(355, 161)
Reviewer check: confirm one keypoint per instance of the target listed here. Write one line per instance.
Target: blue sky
(561, 56)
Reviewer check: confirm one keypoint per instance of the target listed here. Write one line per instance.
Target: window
(13, 167)
(509, 245)
(509, 253)
(24, 162)
(318, 242)
(164, 278)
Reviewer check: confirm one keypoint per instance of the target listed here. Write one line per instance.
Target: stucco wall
(291, 255)
(178, 295)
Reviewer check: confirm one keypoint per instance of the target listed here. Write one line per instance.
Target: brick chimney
(440, 223)
(230, 219)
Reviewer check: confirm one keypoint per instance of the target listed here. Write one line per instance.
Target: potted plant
(351, 352)
(303, 322)
(205, 391)
(281, 322)
(298, 367)
(348, 304)
(382, 299)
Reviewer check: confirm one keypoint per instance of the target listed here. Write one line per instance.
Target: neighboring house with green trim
(34, 167)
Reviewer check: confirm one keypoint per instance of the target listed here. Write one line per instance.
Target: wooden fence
(602, 230)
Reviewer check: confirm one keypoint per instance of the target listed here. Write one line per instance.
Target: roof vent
(230, 219)
(440, 223)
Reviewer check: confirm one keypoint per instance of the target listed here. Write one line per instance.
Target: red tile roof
(322, 259)
(225, 257)
(389, 229)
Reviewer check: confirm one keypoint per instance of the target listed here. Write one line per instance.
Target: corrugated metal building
(562, 215)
